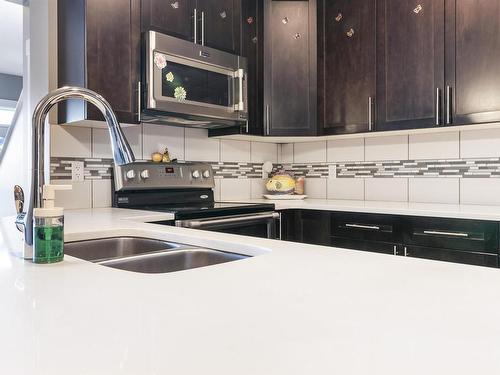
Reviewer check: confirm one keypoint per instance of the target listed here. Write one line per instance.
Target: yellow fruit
(157, 157)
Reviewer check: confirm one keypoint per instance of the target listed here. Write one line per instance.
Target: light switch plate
(77, 171)
(332, 171)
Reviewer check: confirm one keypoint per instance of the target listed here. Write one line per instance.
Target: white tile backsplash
(310, 152)
(480, 143)
(101, 145)
(386, 189)
(346, 150)
(315, 188)
(70, 141)
(386, 148)
(434, 190)
(159, 137)
(80, 196)
(235, 189)
(101, 193)
(199, 147)
(235, 151)
(286, 155)
(258, 188)
(346, 188)
(434, 146)
(262, 152)
(480, 191)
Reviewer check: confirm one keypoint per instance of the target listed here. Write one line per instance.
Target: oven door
(264, 225)
(194, 81)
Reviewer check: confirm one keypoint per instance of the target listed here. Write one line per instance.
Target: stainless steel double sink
(147, 255)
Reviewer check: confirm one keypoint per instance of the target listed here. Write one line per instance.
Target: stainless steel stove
(186, 191)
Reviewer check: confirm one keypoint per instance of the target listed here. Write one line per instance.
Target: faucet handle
(19, 198)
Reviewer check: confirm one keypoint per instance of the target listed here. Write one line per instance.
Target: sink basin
(116, 247)
(171, 261)
(147, 255)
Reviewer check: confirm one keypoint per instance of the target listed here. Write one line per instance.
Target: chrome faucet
(122, 153)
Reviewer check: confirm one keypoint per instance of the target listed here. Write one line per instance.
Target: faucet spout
(122, 153)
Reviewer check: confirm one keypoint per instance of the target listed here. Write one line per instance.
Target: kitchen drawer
(372, 246)
(457, 234)
(455, 256)
(366, 227)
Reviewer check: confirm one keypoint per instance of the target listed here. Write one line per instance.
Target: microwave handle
(240, 106)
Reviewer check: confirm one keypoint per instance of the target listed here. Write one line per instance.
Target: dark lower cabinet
(455, 256)
(474, 242)
(99, 48)
(371, 246)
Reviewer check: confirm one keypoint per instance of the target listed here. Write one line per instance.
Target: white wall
(16, 165)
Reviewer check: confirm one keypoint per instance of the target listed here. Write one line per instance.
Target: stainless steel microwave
(186, 84)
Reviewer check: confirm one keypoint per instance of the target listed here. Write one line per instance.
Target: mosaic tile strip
(316, 170)
(457, 168)
(98, 169)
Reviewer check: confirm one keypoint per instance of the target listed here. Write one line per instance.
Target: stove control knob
(130, 175)
(145, 174)
(196, 174)
(206, 174)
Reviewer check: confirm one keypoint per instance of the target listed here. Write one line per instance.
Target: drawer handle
(360, 226)
(452, 234)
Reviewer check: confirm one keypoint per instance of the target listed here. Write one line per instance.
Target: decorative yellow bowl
(281, 184)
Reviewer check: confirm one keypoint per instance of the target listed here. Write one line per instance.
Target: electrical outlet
(77, 170)
(332, 171)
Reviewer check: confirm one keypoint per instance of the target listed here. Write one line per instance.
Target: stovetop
(208, 209)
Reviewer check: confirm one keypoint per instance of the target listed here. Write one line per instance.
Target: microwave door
(186, 85)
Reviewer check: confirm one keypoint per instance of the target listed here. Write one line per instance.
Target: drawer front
(455, 256)
(372, 246)
(466, 235)
(366, 227)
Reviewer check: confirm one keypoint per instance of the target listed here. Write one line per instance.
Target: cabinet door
(347, 66)
(447, 255)
(172, 17)
(290, 68)
(410, 64)
(473, 55)
(220, 24)
(313, 227)
(113, 55)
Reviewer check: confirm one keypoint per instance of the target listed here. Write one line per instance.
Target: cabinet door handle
(202, 28)
(406, 251)
(139, 101)
(452, 234)
(267, 120)
(448, 105)
(438, 106)
(195, 22)
(370, 113)
(361, 226)
(395, 248)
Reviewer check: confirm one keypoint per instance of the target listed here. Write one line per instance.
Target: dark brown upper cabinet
(410, 63)
(473, 61)
(171, 17)
(99, 48)
(220, 26)
(290, 68)
(347, 65)
(213, 23)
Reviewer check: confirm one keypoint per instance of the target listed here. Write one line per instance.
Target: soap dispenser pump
(48, 227)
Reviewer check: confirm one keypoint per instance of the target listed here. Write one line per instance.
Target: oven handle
(198, 224)
(240, 74)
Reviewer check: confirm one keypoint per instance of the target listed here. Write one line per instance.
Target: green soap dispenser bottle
(48, 228)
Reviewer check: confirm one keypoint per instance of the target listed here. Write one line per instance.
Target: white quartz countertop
(457, 211)
(293, 309)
